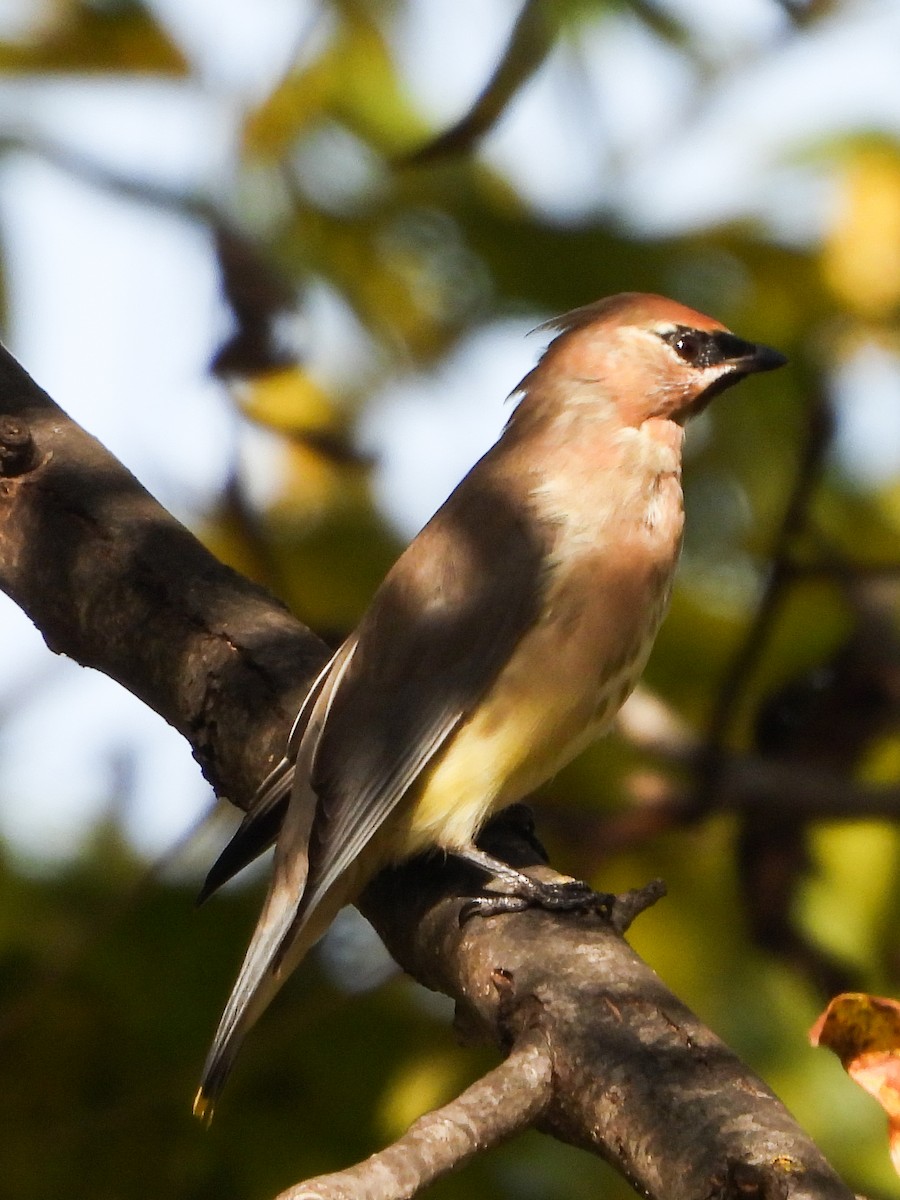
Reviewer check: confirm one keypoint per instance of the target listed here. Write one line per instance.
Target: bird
(501, 643)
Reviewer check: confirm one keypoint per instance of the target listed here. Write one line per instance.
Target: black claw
(573, 896)
(570, 896)
(491, 906)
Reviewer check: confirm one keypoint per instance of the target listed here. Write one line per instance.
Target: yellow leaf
(295, 104)
(367, 93)
(286, 399)
(843, 902)
(882, 761)
(317, 484)
(353, 81)
(861, 256)
(82, 37)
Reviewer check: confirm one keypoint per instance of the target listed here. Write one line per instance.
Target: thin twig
(97, 174)
(828, 571)
(818, 435)
(505, 1101)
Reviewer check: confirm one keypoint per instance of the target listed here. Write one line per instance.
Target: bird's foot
(570, 895)
(521, 891)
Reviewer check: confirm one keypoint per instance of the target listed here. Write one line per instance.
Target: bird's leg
(522, 891)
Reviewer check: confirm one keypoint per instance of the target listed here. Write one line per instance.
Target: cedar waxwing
(503, 641)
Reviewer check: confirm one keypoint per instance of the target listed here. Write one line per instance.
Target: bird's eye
(690, 345)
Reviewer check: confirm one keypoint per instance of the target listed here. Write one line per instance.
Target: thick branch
(115, 582)
(638, 1080)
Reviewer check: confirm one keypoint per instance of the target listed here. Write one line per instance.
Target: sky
(75, 253)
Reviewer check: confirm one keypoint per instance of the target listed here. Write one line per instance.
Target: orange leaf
(864, 1032)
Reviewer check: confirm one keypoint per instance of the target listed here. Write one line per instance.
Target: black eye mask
(701, 349)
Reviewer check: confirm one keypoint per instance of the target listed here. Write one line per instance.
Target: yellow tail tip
(203, 1107)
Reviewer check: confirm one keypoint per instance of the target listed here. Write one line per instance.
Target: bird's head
(647, 356)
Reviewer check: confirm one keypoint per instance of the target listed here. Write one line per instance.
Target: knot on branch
(18, 452)
(749, 1181)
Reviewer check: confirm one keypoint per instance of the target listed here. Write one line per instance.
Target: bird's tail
(293, 919)
(256, 986)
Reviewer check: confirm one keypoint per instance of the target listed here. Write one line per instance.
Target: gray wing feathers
(260, 826)
(354, 827)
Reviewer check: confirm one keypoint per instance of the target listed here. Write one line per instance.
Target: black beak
(741, 359)
(744, 358)
(754, 357)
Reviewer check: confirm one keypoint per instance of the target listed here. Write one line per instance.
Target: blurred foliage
(108, 35)
(110, 984)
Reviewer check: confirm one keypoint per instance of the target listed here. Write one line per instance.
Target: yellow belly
(515, 740)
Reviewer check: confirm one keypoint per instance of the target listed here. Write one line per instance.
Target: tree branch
(637, 1079)
(505, 1101)
(819, 428)
(746, 781)
(115, 582)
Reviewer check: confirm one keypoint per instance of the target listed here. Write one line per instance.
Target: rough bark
(637, 1078)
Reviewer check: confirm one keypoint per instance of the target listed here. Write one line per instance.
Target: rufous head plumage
(643, 355)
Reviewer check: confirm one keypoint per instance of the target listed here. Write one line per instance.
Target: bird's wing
(442, 625)
(263, 819)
